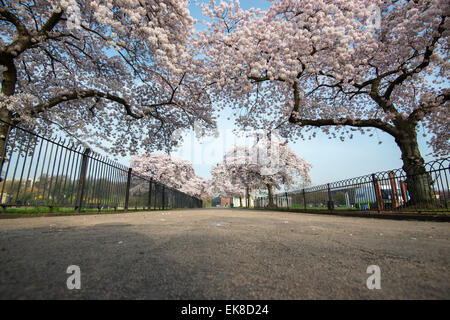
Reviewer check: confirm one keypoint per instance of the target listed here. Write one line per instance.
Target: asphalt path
(222, 254)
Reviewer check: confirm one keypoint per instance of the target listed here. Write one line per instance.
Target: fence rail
(37, 171)
(392, 190)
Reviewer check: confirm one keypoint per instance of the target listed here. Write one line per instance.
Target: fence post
(379, 196)
(330, 199)
(163, 194)
(82, 180)
(127, 194)
(150, 195)
(304, 198)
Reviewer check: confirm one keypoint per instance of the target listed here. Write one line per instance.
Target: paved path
(223, 254)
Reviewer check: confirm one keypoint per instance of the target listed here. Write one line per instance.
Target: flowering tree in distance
(118, 69)
(342, 65)
(173, 172)
(268, 164)
(225, 183)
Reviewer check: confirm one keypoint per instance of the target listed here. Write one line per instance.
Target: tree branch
(425, 109)
(97, 94)
(10, 17)
(51, 22)
(425, 62)
(367, 123)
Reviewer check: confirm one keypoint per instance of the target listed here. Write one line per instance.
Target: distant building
(225, 202)
(222, 202)
(242, 202)
(231, 202)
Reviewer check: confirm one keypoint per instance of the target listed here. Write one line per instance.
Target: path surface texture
(223, 254)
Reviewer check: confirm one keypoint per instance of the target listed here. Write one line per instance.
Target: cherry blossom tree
(118, 70)
(173, 172)
(341, 66)
(270, 164)
(201, 187)
(224, 183)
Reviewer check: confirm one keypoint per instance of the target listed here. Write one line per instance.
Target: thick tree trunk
(240, 202)
(418, 180)
(6, 116)
(270, 196)
(9, 79)
(4, 128)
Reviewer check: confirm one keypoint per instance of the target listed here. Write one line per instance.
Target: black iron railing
(425, 188)
(37, 171)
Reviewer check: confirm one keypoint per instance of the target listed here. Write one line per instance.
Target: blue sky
(332, 159)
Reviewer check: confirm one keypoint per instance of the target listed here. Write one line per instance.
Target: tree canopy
(120, 71)
(269, 164)
(132, 72)
(343, 65)
(173, 172)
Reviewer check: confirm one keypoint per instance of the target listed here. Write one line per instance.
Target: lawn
(62, 210)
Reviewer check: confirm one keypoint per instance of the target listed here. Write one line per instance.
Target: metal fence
(41, 172)
(392, 190)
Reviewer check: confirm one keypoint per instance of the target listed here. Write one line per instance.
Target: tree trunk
(240, 202)
(6, 116)
(9, 79)
(418, 180)
(270, 196)
(248, 197)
